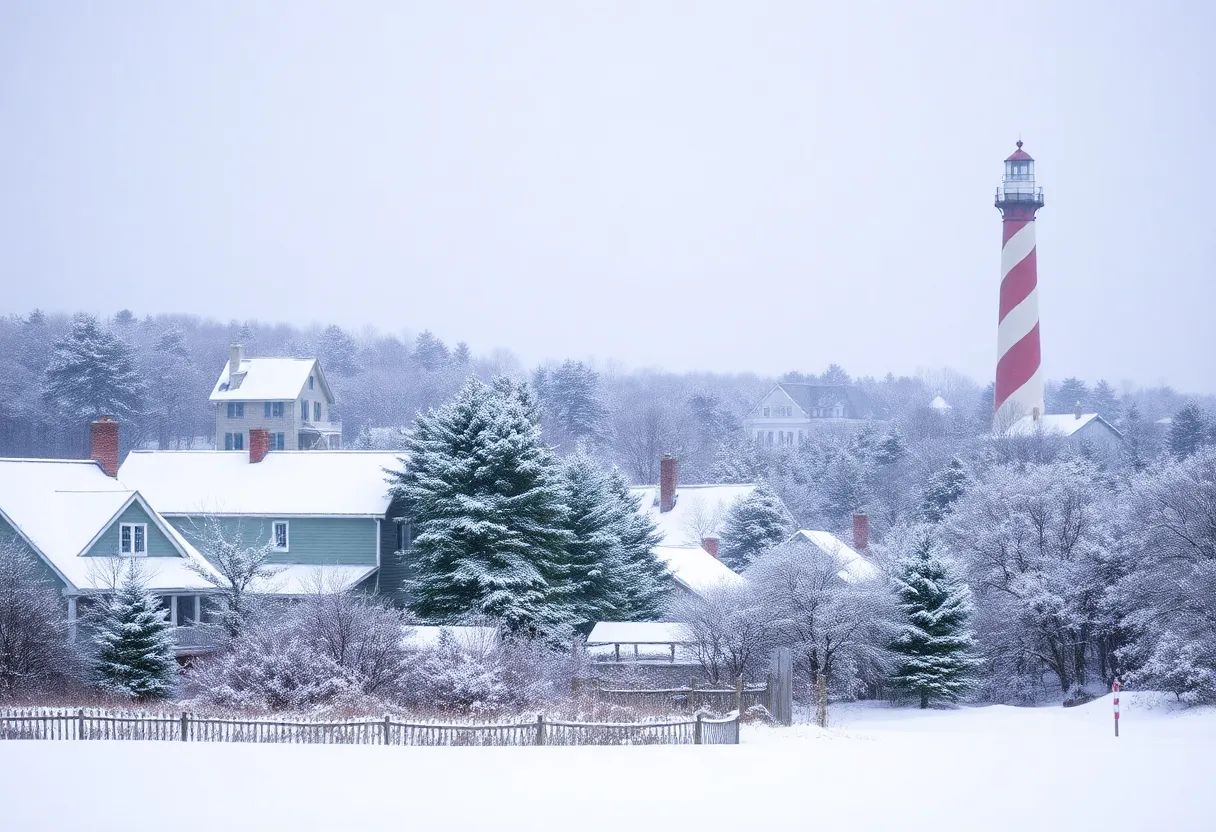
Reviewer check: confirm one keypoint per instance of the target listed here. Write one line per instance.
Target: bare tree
(727, 630)
(702, 518)
(237, 570)
(36, 650)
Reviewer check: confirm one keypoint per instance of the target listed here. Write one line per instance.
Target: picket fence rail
(90, 724)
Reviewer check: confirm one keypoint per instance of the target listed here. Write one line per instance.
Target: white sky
(742, 186)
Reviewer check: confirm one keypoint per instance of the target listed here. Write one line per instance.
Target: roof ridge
(46, 459)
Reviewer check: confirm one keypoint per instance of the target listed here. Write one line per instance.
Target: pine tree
(488, 506)
(92, 374)
(570, 399)
(934, 643)
(1067, 395)
(946, 486)
(430, 353)
(1189, 431)
(1141, 444)
(757, 522)
(645, 578)
(1105, 401)
(135, 645)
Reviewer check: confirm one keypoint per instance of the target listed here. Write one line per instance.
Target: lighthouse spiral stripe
(1019, 383)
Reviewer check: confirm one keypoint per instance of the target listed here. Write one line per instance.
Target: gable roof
(1061, 424)
(62, 507)
(269, 379)
(698, 508)
(696, 569)
(810, 396)
(638, 632)
(854, 567)
(283, 484)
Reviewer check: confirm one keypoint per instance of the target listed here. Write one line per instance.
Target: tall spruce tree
(646, 579)
(92, 374)
(946, 486)
(487, 502)
(135, 645)
(757, 522)
(1189, 431)
(933, 644)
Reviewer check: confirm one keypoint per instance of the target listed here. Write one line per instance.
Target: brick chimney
(861, 531)
(1076, 411)
(259, 444)
(669, 476)
(235, 353)
(103, 444)
(710, 544)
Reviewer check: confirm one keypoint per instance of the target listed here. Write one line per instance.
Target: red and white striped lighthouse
(1019, 378)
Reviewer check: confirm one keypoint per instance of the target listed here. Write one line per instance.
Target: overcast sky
(720, 186)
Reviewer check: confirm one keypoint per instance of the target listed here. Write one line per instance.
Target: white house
(789, 412)
(1077, 430)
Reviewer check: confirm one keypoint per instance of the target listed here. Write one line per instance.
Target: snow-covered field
(991, 768)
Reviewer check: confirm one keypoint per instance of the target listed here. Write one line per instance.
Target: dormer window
(133, 539)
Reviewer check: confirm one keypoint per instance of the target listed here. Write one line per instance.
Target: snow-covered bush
(1180, 666)
(36, 652)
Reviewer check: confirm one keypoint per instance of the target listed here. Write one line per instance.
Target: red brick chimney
(710, 544)
(259, 444)
(669, 476)
(103, 445)
(861, 531)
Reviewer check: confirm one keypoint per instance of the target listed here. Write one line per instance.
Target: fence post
(692, 694)
(185, 725)
(540, 729)
(739, 694)
(696, 731)
(80, 724)
(388, 729)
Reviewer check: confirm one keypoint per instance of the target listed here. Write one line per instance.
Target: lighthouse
(1019, 377)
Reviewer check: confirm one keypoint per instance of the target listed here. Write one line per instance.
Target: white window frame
(274, 535)
(133, 526)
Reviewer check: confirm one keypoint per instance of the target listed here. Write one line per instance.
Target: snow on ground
(992, 768)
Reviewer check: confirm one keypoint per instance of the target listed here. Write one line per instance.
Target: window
(279, 537)
(234, 441)
(272, 410)
(405, 535)
(304, 409)
(236, 410)
(310, 382)
(764, 412)
(770, 437)
(316, 411)
(133, 539)
(187, 610)
(278, 442)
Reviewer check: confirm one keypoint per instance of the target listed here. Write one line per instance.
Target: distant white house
(1077, 430)
(289, 398)
(789, 412)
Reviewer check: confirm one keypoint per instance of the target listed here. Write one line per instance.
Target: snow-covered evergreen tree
(570, 399)
(134, 641)
(1189, 431)
(92, 374)
(754, 524)
(430, 353)
(593, 557)
(1141, 443)
(946, 486)
(934, 640)
(488, 506)
(645, 578)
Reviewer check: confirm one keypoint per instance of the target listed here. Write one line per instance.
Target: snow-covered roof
(854, 567)
(268, 379)
(941, 404)
(284, 483)
(61, 507)
(696, 569)
(309, 579)
(638, 632)
(1062, 424)
(699, 511)
(473, 639)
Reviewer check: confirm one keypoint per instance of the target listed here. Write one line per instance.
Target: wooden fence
(687, 698)
(185, 727)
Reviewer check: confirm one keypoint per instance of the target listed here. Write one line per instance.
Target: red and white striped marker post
(1115, 690)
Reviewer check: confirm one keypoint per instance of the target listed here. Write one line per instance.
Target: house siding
(313, 541)
(288, 424)
(159, 546)
(42, 568)
(393, 570)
